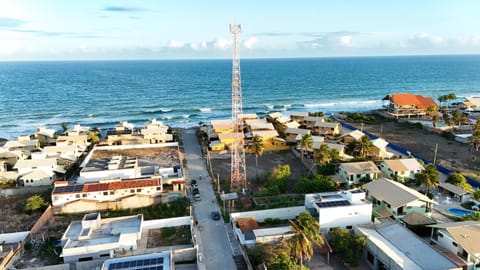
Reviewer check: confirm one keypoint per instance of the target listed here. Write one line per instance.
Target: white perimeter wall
(261, 215)
(16, 237)
(166, 222)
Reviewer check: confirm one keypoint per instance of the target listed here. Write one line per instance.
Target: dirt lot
(12, 217)
(162, 156)
(266, 163)
(451, 154)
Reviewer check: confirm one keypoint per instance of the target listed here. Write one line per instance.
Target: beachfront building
(23, 143)
(80, 141)
(401, 169)
(77, 129)
(461, 239)
(46, 136)
(392, 246)
(298, 116)
(344, 209)
(125, 133)
(391, 198)
(11, 157)
(457, 193)
(379, 149)
(352, 136)
(400, 105)
(294, 135)
(291, 124)
(310, 122)
(326, 128)
(95, 238)
(115, 194)
(222, 126)
(270, 140)
(354, 172)
(67, 152)
(38, 172)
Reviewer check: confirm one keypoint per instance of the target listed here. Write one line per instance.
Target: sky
(192, 29)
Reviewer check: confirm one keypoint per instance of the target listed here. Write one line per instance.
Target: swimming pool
(460, 212)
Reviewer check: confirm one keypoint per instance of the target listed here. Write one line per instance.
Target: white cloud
(198, 46)
(250, 42)
(221, 43)
(426, 39)
(345, 41)
(175, 44)
(9, 46)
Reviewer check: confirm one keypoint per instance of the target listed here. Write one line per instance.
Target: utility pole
(238, 174)
(435, 154)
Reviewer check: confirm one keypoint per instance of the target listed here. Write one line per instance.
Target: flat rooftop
(153, 261)
(163, 156)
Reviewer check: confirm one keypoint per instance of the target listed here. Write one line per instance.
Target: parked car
(215, 215)
(195, 191)
(193, 182)
(197, 197)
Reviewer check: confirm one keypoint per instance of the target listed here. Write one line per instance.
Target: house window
(159, 188)
(440, 234)
(454, 244)
(77, 195)
(84, 195)
(132, 190)
(112, 192)
(105, 193)
(359, 176)
(370, 257)
(349, 227)
(139, 190)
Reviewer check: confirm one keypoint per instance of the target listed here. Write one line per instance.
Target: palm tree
(306, 144)
(322, 156)
(364, 146)
(257, 147)
(450, 97)
(474, 140)
(306, 230)
(435, 120)
(432, 109)
(431, 177)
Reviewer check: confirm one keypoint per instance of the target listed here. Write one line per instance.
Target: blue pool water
(460, 212)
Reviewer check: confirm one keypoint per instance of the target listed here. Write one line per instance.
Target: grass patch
(172, 236)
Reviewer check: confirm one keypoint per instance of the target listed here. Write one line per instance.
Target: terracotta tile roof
(124, 184)
(94, 187)
(418, 101)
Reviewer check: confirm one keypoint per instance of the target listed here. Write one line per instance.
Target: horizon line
(222, 58)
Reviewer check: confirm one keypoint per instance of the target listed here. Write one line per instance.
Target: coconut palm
(256, 147)
(474, 140)
(321, 156)
(305, 144)
(435, 120)
(364, 146)
(306, 232)
(432, 109)
(431, 177)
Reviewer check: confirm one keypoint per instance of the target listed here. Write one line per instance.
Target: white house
(401, 169)
(460, 238)
(23, 143)
(35, 172)
(45, 135)
(292, 134)
(94, 238)
(381, 148)
(392, 246)
(353, 172)
(343, 209)
(245, 225)
(391, 198)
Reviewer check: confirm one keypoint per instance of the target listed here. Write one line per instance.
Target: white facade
(29, 165)
(401, 168)
(94, 238)
(460, 238)
(340, 209)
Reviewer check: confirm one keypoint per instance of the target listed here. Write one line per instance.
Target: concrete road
(214, 248)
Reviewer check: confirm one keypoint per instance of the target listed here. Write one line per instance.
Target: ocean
(183, 93)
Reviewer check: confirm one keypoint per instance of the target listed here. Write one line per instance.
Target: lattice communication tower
(238, 171)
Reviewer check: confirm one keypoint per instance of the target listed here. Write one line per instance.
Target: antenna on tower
(238, 171)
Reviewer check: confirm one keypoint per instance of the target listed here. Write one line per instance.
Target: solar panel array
(144, 264)
(69, 188)
(333, 203)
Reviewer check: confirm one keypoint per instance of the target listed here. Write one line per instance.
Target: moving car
(215, 215)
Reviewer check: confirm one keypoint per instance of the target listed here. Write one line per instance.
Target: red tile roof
(123, 184)
(418, 101)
